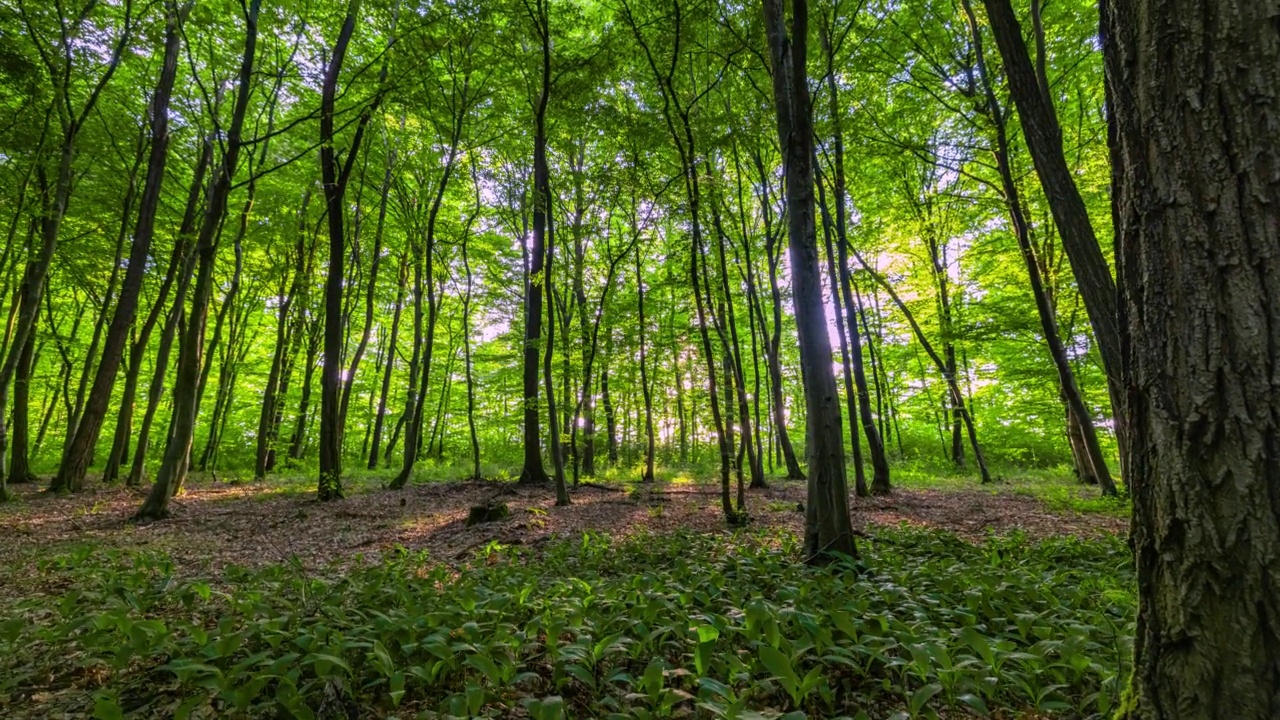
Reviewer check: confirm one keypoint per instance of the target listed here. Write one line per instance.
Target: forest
(640, 359)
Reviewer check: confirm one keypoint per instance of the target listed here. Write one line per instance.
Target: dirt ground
(215, 524)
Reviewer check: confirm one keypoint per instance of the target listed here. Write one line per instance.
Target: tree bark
(533, 470)
(335, 187)
(828, 528)
(1196, 182)
(1044, 308)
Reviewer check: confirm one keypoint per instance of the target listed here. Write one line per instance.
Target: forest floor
(215, 524)
(1002, 601)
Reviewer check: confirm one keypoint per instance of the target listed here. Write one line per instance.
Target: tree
(173, 468)
(1033, 97)
(75, 461)
(1195, 155)
(335, 178)
(59, 59)
(827, 528)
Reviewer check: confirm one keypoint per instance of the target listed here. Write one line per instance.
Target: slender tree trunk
(773, 348)
(174, 466)
(55, 198)
(828, 528)
(1048, 320)
(1044, 141)
(553, 427)
(20, 471)
(380, 418)
(644, 376)
(298, 444)
(850, 395)
(610, 417)
(533, 470)
(957, 398)
(335, 186)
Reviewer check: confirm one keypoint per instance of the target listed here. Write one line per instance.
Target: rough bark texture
(1196, 177)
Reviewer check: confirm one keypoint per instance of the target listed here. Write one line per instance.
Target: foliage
(656, 626)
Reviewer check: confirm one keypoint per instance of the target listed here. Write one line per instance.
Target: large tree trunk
(828, 530)
(1195, 163)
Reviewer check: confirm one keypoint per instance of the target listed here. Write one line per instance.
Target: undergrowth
(706, 626)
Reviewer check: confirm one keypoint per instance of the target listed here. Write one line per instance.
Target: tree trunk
(1022, 231)
(379, 419)
(1195, 161)
(334, 180)
(647, 476)
(846, 362)
(174, 466)
(773, 348)
(55, 196)
(1044, 141)
(828, 529)
(20, 470)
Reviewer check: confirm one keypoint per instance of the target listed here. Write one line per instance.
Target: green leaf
(486, 666)
(106, 708)
(395, 685)
(922, 696)
(777, 663)
(975, 703)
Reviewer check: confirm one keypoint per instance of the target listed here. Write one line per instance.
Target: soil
(215, 524)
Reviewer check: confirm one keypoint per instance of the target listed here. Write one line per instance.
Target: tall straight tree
(533, 470)
(75, 461)
(1196, 185)
(334, 176)
(827, 528)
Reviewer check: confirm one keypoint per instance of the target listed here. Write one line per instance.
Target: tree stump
(491, 511)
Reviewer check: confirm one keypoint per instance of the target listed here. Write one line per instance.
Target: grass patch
(715, 626)
(1057, 488)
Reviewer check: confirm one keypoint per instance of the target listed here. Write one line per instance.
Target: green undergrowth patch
(704, 626)
(1057, 488)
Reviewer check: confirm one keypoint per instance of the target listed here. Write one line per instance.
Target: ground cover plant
(255, 600)
(670, 625)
